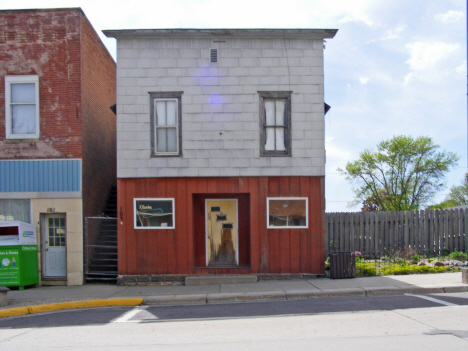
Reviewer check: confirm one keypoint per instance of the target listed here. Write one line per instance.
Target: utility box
(342, 265)
(18, 254)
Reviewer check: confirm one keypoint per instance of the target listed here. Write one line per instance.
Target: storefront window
(15, 210)
(287, 212)
(154, 213)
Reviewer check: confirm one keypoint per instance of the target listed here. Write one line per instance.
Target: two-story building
(57, 132)
(220, 151)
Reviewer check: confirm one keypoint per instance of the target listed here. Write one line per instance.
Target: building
(57, 132)
(220, 152)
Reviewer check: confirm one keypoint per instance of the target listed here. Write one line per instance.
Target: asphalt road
(154, 314)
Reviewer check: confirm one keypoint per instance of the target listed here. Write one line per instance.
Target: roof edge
(44, 9)
(225, 33)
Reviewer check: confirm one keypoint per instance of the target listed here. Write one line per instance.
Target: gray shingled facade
(220, 101)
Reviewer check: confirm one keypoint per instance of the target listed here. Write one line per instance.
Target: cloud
(425, 55)
(408, 78)
(363, 80)
(393, 33)
(461, 70)
(450, 16)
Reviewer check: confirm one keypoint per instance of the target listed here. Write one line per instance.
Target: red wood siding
(182, 250)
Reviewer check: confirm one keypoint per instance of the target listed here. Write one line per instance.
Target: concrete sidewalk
(94, 295)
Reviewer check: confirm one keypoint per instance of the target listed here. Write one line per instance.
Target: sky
(394, 68)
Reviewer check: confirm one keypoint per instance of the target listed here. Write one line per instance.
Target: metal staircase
(101, 243)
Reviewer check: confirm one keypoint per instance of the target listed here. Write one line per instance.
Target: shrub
(458, 255)
(366, 269)
(402, 262)
(405, 253)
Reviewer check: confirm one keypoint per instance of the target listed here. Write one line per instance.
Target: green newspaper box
(18, 254)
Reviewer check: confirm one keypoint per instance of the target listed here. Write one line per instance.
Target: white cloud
(393, 33)
(461, 70)
(408, 78)
(425, 55)
(363, 80)
(450, 16)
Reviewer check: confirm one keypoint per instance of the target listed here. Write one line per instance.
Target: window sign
(287, 212)
(154, 213)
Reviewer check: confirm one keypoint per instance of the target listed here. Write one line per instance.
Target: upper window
(275, 115)
(165, 123)
(22, 107)
(287, 212)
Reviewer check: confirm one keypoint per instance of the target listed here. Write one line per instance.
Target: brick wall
(76, 88)
(99, 134)
(44, 43)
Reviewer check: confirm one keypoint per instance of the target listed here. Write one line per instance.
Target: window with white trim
(22, 107)
(154, 213)
(166, 123)
(287, 212)
(275, 116)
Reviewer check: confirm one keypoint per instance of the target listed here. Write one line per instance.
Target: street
(410, 322)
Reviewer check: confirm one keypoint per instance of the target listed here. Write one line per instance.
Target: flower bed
(407, 262)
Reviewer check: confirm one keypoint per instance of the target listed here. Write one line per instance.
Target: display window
(287, 212)
(154, 213)
(15, 210)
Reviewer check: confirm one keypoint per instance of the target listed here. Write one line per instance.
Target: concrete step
(219, 279)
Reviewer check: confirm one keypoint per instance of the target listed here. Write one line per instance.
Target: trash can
(342, 265)
(18, 254)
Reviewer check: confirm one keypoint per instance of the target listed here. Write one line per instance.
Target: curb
(17, 311)
(220, 298)
(266, 296)
(172, 300)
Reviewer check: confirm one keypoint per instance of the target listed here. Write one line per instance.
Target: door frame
(206, 228)
(44, 235)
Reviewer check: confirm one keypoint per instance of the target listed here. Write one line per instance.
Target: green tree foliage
(403, 174)
(459, 193)
(443, 204)
(458, 196)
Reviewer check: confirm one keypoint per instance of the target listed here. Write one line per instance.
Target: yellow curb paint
(70, 305)
(10, 312)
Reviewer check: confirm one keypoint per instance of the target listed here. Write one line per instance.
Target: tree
(402, 175)
(443, 204)
(459, 193)
(372, 204)
(458, 196)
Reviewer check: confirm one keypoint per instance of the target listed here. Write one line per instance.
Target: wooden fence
(377, 234)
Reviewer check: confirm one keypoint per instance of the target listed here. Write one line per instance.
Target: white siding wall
(220, 105)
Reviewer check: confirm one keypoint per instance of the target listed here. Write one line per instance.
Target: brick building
(221, 151)
(57, 132)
